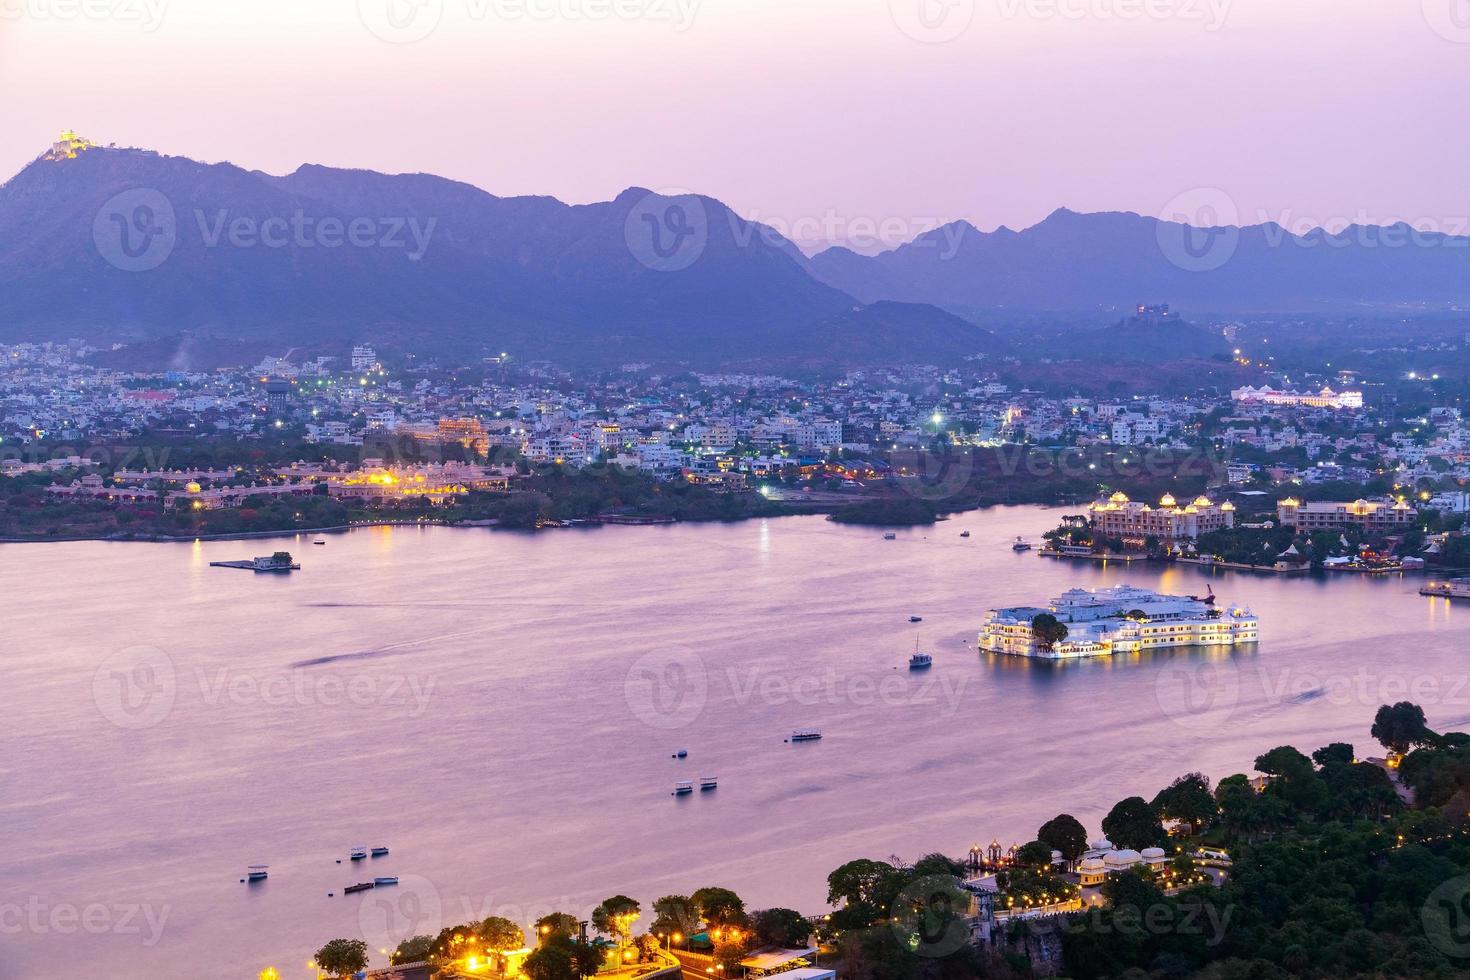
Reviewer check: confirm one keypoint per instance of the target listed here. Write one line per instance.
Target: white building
(364, 358)
(1326, 398)
(1122, 619)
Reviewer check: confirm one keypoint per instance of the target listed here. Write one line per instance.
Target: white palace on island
(1170, 521)
(1122, 619)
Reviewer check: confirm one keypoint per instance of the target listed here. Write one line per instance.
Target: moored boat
(805, 735)
(684, 787)
(257, 872)
(361, 886)
(358, 853)
(890, 536)
(380, 851)
(385, 880)
(1021, 545)
(708, 782)
(920, 661)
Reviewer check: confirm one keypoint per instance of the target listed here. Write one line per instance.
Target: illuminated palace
(1326, 398)
(1119, 517)
(1122, 619)
(1375, 515)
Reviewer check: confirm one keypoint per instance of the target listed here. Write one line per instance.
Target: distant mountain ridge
(130, 245)
(1076, 262)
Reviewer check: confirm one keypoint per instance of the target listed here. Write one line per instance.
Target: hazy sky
(831, 118)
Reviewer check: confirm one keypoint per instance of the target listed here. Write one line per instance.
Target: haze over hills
(129, 245)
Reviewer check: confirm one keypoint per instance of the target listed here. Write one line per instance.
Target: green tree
(500, 934)
(615, 917)
(675, 914)
(1064, 833)
(1048, 630)
(782, 927)
(558, 924)
(1035, 854)
(1400, 726)
(562, 958)
(720, 908)
(342, 957)
(1336, 754)
(1132, 823)
(414, 950)
(1187, 799)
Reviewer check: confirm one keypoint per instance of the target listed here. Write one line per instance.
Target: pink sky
(825, 117)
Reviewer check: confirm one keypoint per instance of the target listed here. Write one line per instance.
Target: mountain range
(130, 245)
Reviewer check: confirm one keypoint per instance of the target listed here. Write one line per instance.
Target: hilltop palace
(1121, 619)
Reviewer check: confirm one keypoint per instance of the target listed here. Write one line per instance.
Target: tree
(1400, 726)
(1132, 823)
(615, 916)
(501, 934)
(1064, 833)
(1048, 630)
(1336, 754)
(720, 907)
(414, 950)
(558, 924)
(552, 960)
(343, 957)
(1187, 799)
(1035, 854)
(865, 889)
(674, 914)
(782, 927)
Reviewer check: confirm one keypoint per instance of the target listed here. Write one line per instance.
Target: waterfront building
(1122, 619)
(1326, 398)
(1374, 515)
(1119, 517)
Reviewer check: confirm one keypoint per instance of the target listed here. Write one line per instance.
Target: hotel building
(1374, 515)
(1122, 619)
(1119, 517)
(1326, 398)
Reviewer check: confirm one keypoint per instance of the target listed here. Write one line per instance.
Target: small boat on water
(805, 735)
(361, 886)
(1020, 545)
(708, 782)
(916, 619)
(281, 561)
(320, 541)
(890, 536)
(684, 787)
(385, 881)
(257, 872)
(964, 534)
(920, 661)
(681, 754)
(358, 853)
(380, 852)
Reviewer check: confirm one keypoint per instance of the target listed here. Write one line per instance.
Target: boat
(385, 881)
(684, 787)
(1455, 588)
(681, 754)
(920, 661)
(964, 534)
(320, 541)
(1020, 545)
(805, 735)
(281, 561)
(358, 853)
(380, 852)
(916, 619)
(708, 782)
(890, 536)
(361, 886)
(257, 872)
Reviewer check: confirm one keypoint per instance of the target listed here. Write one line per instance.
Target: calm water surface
(500, 709)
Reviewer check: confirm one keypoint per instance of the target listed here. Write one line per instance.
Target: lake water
(500, 709)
